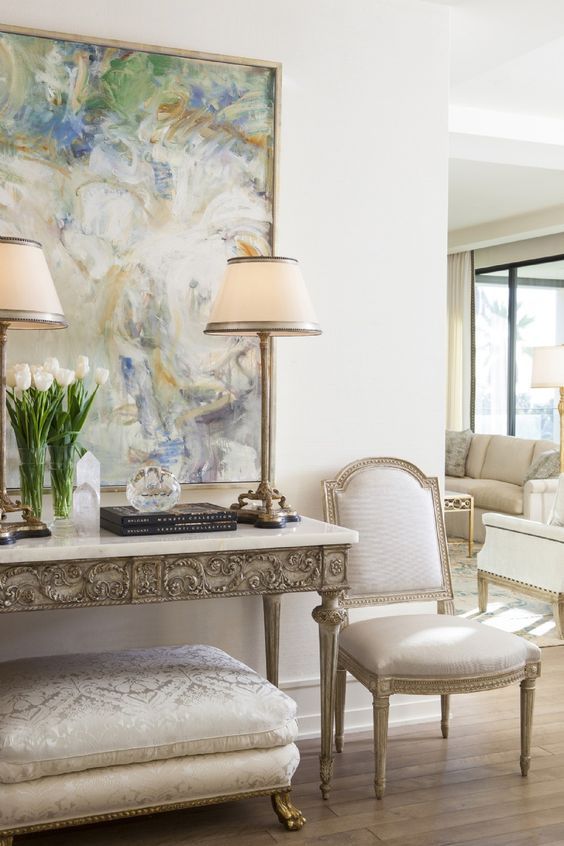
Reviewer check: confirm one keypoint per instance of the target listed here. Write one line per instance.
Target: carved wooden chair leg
(527, 701)
(340, 696)
(445, 713)
(289, 816)
(381, 709)
(482, 593)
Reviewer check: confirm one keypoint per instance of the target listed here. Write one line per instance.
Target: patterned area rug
(509, 611)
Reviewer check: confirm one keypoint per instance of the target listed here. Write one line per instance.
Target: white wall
(362, 204)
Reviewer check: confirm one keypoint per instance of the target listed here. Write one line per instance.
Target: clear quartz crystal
(153, 488)
(86, 499)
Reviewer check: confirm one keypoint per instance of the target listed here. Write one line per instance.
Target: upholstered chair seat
(434, 646)
(402, 557)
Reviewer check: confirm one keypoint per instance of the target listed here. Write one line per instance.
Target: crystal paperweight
(153, 489)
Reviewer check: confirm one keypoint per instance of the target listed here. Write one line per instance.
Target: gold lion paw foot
(290, 817)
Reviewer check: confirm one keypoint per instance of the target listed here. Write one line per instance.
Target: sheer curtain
(460, 283)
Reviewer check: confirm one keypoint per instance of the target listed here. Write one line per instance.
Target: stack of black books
(190, 517)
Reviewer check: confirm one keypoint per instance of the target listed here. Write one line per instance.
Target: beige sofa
(496, 467)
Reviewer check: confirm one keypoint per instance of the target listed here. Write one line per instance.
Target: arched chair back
(402, 553)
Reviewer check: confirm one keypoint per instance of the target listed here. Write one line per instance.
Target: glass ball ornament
(153, 488)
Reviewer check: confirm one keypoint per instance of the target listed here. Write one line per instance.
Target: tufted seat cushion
(68, 713)
(434, 646)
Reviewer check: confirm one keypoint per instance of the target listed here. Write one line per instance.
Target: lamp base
(275, 518)
(10, 532)
(264, 516)
(29, 527)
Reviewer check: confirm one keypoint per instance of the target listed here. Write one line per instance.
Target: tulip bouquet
(48, 406)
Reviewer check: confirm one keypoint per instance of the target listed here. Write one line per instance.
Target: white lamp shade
(548, 367)
(28, 299)
(262, 294)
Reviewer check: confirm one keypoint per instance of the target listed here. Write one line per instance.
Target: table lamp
(264, 296)
(548, 372)
(28, 300)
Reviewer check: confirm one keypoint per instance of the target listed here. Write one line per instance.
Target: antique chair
(87, 738)
(402, 556)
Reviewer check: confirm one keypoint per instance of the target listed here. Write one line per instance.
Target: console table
(52, 573)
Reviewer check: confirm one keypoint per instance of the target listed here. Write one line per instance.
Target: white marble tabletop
(107, 545)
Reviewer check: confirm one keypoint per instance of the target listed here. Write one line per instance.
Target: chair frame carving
(382, 687)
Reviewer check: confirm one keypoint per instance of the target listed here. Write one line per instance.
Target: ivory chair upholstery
(88, 738)
(402, 556)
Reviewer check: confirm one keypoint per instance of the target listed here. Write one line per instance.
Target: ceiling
(506, 116)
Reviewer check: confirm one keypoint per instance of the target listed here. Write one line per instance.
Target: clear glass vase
(62, 462)
(32, 473)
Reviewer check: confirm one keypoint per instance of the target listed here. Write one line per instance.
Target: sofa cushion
(489, 494)
(68, 713)
(476, 455)
(457, 445)
(507, 459)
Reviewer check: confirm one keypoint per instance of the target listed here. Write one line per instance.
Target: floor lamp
(28, 300)
(548, 372)
(264, 296)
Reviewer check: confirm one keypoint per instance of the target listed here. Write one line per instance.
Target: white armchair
(524, 556)
(538, 498)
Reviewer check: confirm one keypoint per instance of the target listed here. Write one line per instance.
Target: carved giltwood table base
(111, 570)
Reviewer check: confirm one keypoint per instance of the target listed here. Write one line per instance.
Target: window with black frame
(516, 307)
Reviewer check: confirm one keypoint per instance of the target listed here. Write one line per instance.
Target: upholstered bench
(86, 738)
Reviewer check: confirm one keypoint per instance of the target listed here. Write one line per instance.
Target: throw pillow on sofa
(545, 466)
(457, 445)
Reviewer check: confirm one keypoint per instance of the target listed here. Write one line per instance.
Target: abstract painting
(141, 171)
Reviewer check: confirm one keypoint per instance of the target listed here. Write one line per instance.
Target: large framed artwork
(141, 170)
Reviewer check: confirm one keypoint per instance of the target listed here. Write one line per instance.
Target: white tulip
(42, 380)
(64, 377)
(51, 365)
(82, 367)
(11, 377)
(23, 379)
(22, 366)
(101, 375)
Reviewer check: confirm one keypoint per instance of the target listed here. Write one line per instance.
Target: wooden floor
(466, 790)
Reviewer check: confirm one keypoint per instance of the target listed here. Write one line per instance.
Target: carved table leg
(329, 617)
(289, 816)
(271, 611)
(6, 841)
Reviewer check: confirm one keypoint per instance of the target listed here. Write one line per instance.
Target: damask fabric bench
(86, 738)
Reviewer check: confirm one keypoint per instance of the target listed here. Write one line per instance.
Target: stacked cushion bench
(86, 738)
